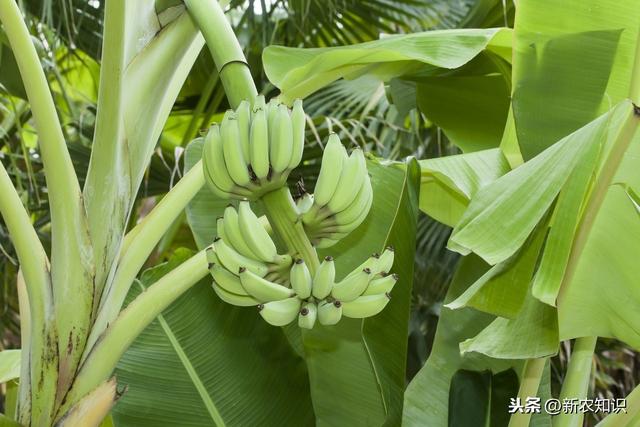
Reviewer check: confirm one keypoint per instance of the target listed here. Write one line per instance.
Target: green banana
(304, 203)
(227, 280)
(255, 235)
(232, 149)
(381, 284)
(342, 229)
(330, 313)
(307, 316)
(261, 289)
(333, 160)
(272, 113)
(365, 306)
(351, 179)
(326, 242)
(386, 260)
(280, 313)
(243, 113)
(351, 287)
(370, 263)
(234, 299)
(362, 203)
(300, 279)
(233, 261)
(220, 229)
(215, 169)
(282, 261)
(264, 221)
(259, 147)
(282, 147)
(259, 103)
(324, 278)
(298, 123)
(212, 258)
(233, 235)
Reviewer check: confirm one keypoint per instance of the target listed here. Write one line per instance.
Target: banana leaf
(476, 396)
(471, 110)
(448, 183)
(594, 262)
(9, 365)
(427, 396)
(589, 54)
(203, 363)
(300, 72)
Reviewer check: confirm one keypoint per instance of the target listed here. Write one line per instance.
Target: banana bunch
(342, 197)
(362, 293)
(250, 154)
(243, 260)
(254, 149)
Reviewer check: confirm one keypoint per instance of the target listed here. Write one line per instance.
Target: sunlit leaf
(300, 72)
(448, 183)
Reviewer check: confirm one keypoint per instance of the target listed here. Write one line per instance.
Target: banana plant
(75, 324)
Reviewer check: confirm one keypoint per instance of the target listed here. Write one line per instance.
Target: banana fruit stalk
(254, 149)
(342, 197)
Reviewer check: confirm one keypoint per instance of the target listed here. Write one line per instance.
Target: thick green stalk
(283, 217)
(71, 260)
(576, 382)
(529, 384)
(24, 388)
(35, 270)
(225, 49)
(107, 188)
(110, 347)
(139, 243)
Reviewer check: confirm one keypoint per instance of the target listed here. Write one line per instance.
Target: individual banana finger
(259, 144)
(300, 279)
(233, 235)
(280, 313)
(324, 278)
(326, 242)
(352, 286)
(370, 263)
(382, 284)
(232, 260)
(304, 203)
(227, 280)
(261, 289)
(282, 147)
(386, 260)
(365, 306)
(298, 123)
(243, 114)
(259, 103)
(234, 299)
(333, 160)
(233, 157)
(307, 316)
(255, 235)
(330, 313)
(218, 178)
(351, 179)
(352, 215)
